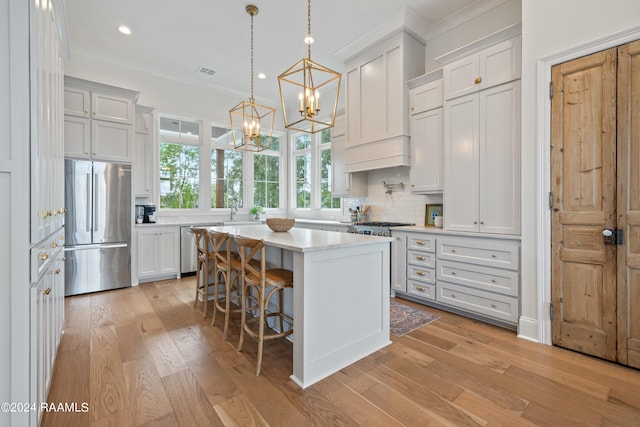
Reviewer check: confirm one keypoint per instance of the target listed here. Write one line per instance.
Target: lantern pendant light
(302, 85)
(251, 123)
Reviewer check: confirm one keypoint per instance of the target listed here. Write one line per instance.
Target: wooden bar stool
(265, 283)
(226, 266)
(203, 267)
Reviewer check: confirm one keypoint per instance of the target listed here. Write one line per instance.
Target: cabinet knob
(94, 113)
(475, 222)
(481, 222)
(45, 213)
(453, 251)
(493, 280)
(420, 258)
(54, 245)
(477, 81)
(420, 288)
(493, 305)
(85, 111)
(43, 256)
(47, 291)
(420, 273)
(57, 271)
(420, 242)
(453, 273)
(493, 255)
(453, 295)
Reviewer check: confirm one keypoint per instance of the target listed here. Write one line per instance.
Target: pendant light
(312, 91)
(251, 123)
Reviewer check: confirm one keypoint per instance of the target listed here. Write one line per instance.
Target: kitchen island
(340, 301)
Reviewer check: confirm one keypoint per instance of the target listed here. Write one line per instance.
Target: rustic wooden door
(583, 174)
(629, 204)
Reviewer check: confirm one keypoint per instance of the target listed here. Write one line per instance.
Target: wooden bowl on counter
(280, 224)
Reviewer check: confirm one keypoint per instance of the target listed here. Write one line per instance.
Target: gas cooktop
(382, 224)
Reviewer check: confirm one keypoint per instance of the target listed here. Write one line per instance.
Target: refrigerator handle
(95, 203)
(88, 213)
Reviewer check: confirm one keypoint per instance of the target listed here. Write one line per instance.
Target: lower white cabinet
(158, 252)
(477, 276)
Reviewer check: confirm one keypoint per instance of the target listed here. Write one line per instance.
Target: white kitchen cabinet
(158, 252)
(494, 65)
(398, 261)
(482, 161)
(480, 276)
(143, 161)
(102, 116)
(425, 129)
(343, 183)
(377, 102)
(421, 263)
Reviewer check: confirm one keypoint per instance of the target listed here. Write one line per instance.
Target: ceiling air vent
(208, 72)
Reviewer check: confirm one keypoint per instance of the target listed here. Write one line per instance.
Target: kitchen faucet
(234, 209)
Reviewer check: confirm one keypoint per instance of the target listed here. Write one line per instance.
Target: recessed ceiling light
(262, 76)
(124, 29)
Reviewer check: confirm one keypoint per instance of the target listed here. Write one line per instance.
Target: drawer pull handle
(419, 242)
(57, 271)
(54, 245)
(493, 280)
(420, 273)
(453, 251)
(47, 291)
(453, 273)
(453, 295)
(478, 80)
(420, 258)
(493, 305)
(43, 256)
(420, 288)
(493, 255)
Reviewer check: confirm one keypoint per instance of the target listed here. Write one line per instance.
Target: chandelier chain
(309, 28)
(252, 98)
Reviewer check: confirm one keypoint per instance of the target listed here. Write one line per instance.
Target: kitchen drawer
(419, 258)
(45, 253)
(488, 304)
(487, 252)
(422, 242)
(422, 290)
(485, 278)
(421, 274)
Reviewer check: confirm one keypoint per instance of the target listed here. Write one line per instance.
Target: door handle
(613, 236)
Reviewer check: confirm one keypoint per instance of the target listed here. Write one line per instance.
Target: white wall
(550, 27)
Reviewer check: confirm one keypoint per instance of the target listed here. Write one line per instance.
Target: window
(179, 164)
(192, 179)
(227, 175)
(312, 171)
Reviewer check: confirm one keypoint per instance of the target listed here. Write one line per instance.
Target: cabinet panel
(422, 242)
(169, 244)
(488, 252)
(485, 303)
(77, 102)
(425, 97)
(421, 259)
(461, 191)
(372, 80)
(147, 253)
(77, 137)
(490, 279)
(426, 152)
(113, 108)
(421, 289)
(499, 183)
(111, 141)
(158, 252)
(399, 261)
(143, 171)
(500, 63)
(460, 77)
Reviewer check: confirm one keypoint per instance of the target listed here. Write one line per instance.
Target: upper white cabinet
(142, 167)
(377, 102)
(98, 121)
(491, 66)
(425, 128)
(482, 135)
(343, 183)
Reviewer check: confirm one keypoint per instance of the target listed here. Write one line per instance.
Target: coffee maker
(139, 214)
(149, 213)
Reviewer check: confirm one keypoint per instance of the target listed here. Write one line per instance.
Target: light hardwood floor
(144, 356)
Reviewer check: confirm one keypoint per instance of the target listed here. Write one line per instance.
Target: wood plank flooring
(142, 356)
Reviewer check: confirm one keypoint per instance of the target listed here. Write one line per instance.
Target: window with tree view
(226, 171)
(266, 176)
(179, 164)
(312, 174)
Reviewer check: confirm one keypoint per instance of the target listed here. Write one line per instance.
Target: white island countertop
(301, 239)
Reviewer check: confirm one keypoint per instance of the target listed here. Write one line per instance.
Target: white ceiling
(174, 38)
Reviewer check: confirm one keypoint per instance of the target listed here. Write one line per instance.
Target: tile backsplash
(400, 205)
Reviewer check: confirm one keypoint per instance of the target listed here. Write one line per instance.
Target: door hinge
(550, 91)
(550, 200)
(551, 310)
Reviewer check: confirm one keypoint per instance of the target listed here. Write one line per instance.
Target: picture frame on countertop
(430, 212)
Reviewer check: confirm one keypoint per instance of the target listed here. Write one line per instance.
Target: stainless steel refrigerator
(98, 226)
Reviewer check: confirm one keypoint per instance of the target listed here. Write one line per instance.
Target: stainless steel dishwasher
(188, 248)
